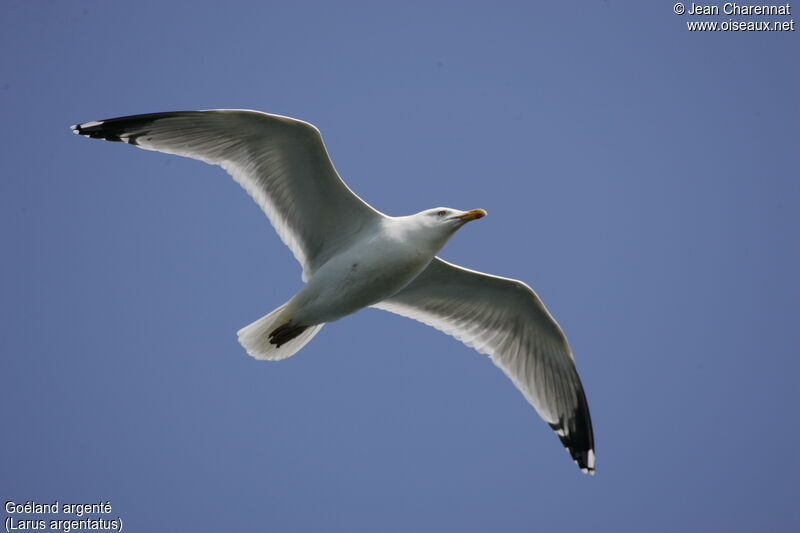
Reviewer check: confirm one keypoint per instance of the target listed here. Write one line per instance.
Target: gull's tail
(273, 336)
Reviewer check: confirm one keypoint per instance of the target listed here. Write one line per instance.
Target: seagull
(353, 256)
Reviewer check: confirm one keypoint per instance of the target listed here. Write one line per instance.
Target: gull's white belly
(357, 278)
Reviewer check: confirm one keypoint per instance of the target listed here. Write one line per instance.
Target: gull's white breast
(377, 265)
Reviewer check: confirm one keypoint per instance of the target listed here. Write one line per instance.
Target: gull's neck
(423, 237)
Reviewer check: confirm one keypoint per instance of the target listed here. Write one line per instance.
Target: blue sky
(642, 178)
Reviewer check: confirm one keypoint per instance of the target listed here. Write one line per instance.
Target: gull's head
(437, 225)
(447, 219)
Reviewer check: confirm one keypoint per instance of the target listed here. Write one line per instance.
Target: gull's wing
(281, 162)
(505, 319)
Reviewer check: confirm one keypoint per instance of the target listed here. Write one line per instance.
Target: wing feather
(504, 319)
(281, 162)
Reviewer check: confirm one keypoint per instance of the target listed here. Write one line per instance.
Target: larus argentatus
(353, 257)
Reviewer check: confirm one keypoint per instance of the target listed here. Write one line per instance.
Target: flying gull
(354, 256)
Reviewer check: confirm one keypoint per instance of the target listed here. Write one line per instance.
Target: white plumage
(353, 257)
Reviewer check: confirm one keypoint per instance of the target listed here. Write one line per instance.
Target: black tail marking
(283, 334)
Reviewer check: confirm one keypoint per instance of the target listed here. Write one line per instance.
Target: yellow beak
(472, 215)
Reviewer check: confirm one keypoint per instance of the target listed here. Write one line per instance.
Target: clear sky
(641, 177)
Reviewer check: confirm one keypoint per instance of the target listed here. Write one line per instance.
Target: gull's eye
(441, 213)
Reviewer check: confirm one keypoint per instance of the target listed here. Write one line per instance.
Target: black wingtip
(122, 129)
(580, 449)
(577, 435)
(586, 461)
(98, 129)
